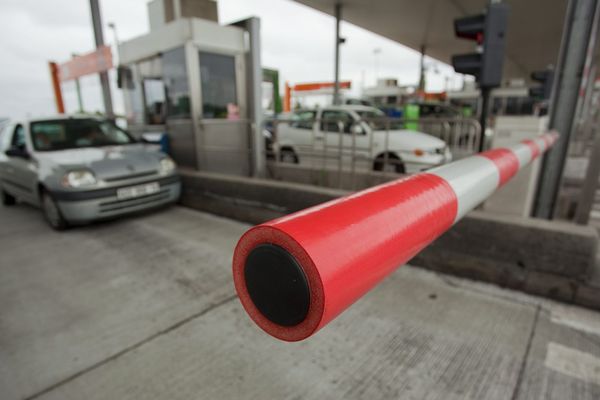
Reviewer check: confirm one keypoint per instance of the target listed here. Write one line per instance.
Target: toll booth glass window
(217, 74)
(155, 100)
(176, 83)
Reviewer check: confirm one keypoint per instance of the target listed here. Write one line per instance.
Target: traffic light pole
(483, 116)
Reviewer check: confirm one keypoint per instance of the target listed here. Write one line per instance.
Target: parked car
(80, 169)
(406, 150)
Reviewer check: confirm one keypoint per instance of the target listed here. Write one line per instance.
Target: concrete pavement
(144, 308)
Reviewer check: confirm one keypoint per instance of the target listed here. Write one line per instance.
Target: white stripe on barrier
(541, 144)
(523, 153)
(473, 180)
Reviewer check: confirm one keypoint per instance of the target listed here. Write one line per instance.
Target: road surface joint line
(526, 355)
(131, 348)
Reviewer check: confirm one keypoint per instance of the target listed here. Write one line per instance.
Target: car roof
(351, 107)
(344, 107)
(60, 117)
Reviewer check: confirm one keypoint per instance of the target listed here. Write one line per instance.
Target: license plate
(137, 191)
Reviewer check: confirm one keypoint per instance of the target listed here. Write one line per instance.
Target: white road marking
(573, 363)
(576, 318)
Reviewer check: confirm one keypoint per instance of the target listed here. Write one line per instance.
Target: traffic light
(546, 78)
(489, 31)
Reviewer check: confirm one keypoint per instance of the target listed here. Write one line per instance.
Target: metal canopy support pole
(99, 38)
(336, 87)
(254, 76)
(422, 70)
(582, 16)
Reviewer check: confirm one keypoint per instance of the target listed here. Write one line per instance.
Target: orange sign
(306, 87)
(91, 63)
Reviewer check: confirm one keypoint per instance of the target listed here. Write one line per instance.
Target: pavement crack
(131, 348)
(526, 355)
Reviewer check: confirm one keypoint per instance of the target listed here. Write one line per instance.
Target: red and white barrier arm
(295, 274)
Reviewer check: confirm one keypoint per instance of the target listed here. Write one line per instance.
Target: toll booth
(195, 80)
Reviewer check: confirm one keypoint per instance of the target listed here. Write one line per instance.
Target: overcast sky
(296, 40)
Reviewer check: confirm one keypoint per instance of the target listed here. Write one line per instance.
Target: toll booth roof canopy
(534, 27)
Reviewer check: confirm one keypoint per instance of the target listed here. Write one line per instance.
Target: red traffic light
(471, 27)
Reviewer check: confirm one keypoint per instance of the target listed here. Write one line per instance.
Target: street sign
(91, 63)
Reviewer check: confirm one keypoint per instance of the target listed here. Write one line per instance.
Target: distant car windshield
(378, 121)
(62, 134)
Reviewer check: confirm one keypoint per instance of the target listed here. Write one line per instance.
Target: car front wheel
(52, 212)
(288, 156)
(391, 164)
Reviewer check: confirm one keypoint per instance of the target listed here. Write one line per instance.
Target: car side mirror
(17, 151)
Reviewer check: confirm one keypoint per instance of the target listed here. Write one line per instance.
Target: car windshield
(64, 134)
(378, 121)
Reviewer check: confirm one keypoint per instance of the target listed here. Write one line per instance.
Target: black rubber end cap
(277, 285)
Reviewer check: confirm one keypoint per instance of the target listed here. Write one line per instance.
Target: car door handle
(10, 170)
(318, 137)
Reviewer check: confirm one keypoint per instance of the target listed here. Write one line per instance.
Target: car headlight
(167, 166)
(79, 178)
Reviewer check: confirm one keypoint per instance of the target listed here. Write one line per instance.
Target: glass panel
(155, 99)
(303, 120)
(331, 119)
(176, 83)
(18, 139)
(133, 98)
(219, 97)
(75, 133)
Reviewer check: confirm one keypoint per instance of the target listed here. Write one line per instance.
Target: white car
(363, 132)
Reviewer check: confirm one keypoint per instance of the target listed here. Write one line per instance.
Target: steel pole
(99, 38)
(422, 69)
(336, 86)
(483, 117)
(578, 36)
(254, 76)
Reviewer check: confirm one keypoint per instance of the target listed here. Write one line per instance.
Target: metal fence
(368, 147)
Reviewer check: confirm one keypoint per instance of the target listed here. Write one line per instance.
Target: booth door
(224, 135)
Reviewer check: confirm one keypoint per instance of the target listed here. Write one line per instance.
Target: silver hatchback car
(79, 169)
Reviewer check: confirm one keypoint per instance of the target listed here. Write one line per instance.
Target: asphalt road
(144, 308)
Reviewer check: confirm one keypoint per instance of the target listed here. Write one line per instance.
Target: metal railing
(366, 147)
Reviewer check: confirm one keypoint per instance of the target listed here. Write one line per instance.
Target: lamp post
(113, 28)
